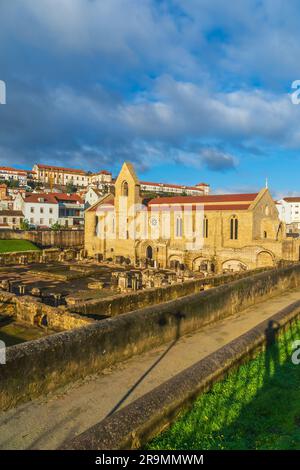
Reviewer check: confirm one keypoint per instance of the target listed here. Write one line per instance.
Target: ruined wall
(31, 310)
(37, 367)
(47, 238)
(122, 303)
(49, 255)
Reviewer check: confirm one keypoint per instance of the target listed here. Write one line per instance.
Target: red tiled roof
(13, 170)
(207, 207)
(59, 168)
(292, 199)
(52, 198)
(11, 212)
(103, 172)
(204, 199)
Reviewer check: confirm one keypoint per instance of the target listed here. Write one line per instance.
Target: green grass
(255, 407)
(7, 246)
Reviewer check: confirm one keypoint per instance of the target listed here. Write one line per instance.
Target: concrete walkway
(46, 423)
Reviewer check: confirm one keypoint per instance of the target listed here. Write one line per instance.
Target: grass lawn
(7, 246)
(255, 407)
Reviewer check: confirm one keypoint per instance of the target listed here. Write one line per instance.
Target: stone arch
(234, 265)
(175, 262)
(149, 252)
(201, 264)
(264, 259)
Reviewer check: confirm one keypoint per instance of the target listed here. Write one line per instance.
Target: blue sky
(188, 90)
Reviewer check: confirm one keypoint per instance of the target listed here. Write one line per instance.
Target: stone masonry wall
(47, 238)
(38, 367)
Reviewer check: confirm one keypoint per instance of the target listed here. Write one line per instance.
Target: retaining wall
(47, 238)
(39, 366)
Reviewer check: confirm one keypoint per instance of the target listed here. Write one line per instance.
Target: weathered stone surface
(134, 425)
(96, 285)
(54, 361)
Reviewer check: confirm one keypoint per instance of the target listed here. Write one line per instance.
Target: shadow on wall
(178, 318)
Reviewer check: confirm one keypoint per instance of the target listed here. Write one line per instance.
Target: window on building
(265, 234)
(124, 190)
(41, 221)
(234, 228)
(205, 227)
(50, 221)
(41, 210)
(32, 220)
(50, 210)
(178, 226)
(32, 210)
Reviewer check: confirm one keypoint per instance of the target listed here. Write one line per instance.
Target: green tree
(70, 188)
(24, 225)
(56, 226)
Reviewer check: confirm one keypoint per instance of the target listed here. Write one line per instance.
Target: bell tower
(127, 203)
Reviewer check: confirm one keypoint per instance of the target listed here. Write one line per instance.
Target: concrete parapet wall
(40, 366)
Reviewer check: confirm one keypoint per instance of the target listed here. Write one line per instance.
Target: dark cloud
(216, 160)
(91, 83)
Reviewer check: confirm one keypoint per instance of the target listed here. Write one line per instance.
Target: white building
(101, 180)
(289, 212)
(13, 174)
(56, 175)
(200, 189)
(46, 209)
(92, 196)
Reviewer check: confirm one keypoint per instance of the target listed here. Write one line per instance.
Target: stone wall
(137, 423)
(31, 310)
(122, 303)
(47, 238)
(38, 367)
(49, 255)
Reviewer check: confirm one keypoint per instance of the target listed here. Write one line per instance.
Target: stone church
(211, 233)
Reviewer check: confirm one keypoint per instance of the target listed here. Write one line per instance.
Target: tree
(70, 188)
(24, 225)
(56, 227)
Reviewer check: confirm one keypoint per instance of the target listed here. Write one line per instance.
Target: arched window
(205, 227)
(234, 228)
(178, 227)
(124, 191)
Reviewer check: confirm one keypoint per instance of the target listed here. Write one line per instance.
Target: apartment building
(46, 209)
(101, 180)
(13, 174)
(10, 219)
(56, 175)
(200, 189)
(289, 212)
